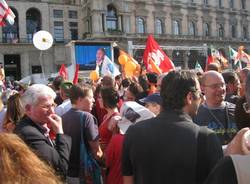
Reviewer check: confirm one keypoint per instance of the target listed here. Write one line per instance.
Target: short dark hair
(143, 82)
(152, 77)
(230, 77)
(136, 90)
(79, 91)
(57, 82)
(175, 87)
(108, 81)
(126, 82)
(110, 97)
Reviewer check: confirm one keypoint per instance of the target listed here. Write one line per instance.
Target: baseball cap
(66, 86)
(153, 98)
(131, 113)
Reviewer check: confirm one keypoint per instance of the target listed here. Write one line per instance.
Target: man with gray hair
(38, 104)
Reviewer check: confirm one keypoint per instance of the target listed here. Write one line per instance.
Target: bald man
(215, 112)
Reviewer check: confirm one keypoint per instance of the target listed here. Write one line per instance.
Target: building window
(245, 32)
(11, 32)
(176, 27)
(206, 29)
(73, 30)
(221, 31)
(111, 18)
(140, 25)
(58, 31)
(231, 4)
(58, 13)
(72, 14)
(205, 2)
(33, 23)
(192, 28)
(220, 4)
(233, 31)
(159, 26)
(243, 4)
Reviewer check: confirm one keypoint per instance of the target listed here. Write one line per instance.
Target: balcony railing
(27, 41)
(132, 36)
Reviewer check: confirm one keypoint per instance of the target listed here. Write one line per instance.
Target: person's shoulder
(64, 104)
(26, 128)
(143, 125)
(202, 108)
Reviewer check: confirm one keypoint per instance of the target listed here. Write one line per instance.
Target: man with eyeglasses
(166, 149)
(38, 104)
(215, 112)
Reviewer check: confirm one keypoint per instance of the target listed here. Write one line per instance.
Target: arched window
(33, 23)
(192, 28)
(243, 4)
(206, 29)
(245, 32)
(176, 27)
(221, 31)
(233, 31)
(11, 32)
(220, 4)
(231, 3)
(140, 25)
(111, 18)
(159, 27)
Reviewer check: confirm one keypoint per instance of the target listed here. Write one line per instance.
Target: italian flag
(198, 67)
(233, 54)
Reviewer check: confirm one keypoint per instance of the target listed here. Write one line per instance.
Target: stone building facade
(62, 18)
(181, 25)
(185, 28)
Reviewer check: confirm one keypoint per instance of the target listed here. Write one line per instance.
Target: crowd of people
(177, 127)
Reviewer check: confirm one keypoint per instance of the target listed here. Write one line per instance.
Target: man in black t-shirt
(165, 149)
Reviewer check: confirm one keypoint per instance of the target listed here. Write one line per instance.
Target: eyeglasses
(198, 94)
(216, 85)
(246, 107)
(47, 107)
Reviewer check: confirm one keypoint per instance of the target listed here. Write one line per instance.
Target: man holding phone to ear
(38, 104)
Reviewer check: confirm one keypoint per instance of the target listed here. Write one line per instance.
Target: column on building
(22, 23)
(25, 64)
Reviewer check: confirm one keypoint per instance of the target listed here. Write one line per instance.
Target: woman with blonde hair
(18, 164)
(13, 114)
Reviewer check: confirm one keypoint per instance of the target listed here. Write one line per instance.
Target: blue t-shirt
(221, 120)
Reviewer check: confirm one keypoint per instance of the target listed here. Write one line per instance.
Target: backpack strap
(83, 151)
(201, 168)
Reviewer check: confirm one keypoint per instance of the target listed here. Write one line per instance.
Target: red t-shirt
(113, 159)
(104, 133)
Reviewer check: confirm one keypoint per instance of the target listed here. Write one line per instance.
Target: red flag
(63, 72)
(153, 54)
(6, 14)
(75, 80)
(210, 59)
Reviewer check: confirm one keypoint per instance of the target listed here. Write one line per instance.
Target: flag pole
(41, 63)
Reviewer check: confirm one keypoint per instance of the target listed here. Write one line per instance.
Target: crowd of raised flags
(154, 58)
